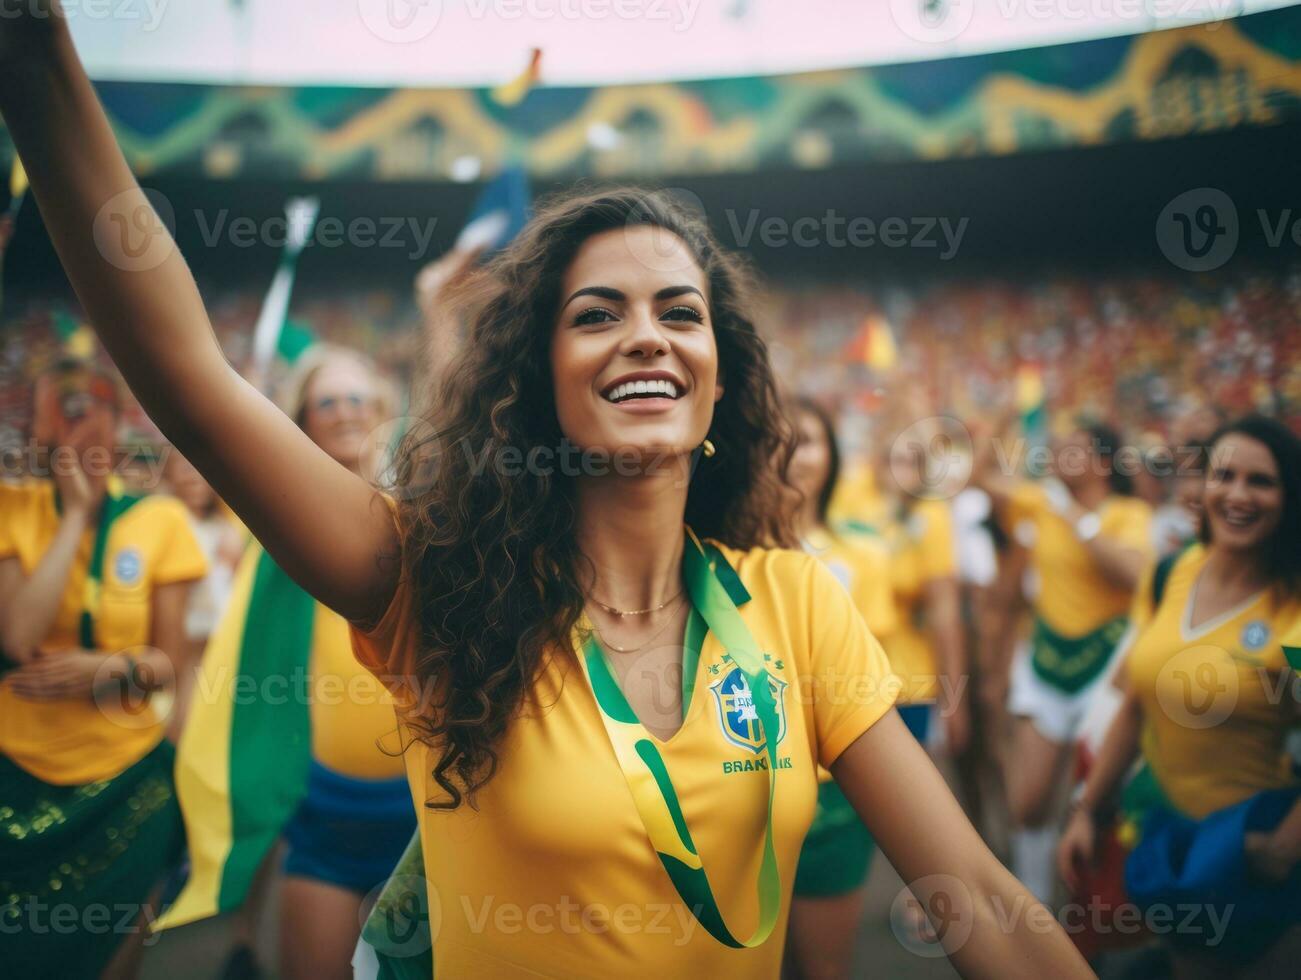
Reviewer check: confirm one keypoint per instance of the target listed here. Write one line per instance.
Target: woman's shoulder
(1182, 567)
(930, 516)
(776, 575)
(760, 558)
(161, 507)
(1285, 612)
(25, 492)
(1030, 495)
(934, 507)
(24, 504)
(865, 551)
(1127, 506)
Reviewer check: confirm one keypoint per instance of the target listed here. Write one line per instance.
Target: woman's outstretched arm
(984, 919)
(323, 524)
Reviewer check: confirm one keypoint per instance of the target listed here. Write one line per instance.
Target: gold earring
(707, 448)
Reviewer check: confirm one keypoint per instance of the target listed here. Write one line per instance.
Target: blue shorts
(349, 832)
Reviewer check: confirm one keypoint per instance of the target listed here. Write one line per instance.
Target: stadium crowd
(948, 547)
(1139, 348)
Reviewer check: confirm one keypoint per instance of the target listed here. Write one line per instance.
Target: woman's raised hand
(77, 492)
(140, 297)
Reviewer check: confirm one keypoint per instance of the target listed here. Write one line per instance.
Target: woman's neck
(630, 528)
(1234, 572)
(807, 522)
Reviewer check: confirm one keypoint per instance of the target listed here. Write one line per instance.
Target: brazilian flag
(243, 760)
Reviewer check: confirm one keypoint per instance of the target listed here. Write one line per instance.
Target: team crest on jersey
(1255, 634)
(737, 716)
(126, 566)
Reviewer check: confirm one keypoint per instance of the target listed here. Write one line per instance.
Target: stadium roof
(452, 43)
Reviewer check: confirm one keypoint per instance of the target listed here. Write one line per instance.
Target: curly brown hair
(492, 557)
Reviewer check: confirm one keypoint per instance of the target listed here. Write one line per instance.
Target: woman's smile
(645, 392)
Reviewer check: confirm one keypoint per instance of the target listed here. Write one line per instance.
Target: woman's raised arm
(325, 526)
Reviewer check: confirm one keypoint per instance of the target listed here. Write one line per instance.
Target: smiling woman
(620, 670)
(601, 293)
(1209, 707)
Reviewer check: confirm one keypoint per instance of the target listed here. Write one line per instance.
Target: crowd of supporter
(1138, 360)
(1134, 349)
(1131, 348)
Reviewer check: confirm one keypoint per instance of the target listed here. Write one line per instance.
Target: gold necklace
(642, 646)
(635, 612)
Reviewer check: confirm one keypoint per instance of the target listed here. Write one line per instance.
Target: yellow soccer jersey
(1141, 606)
(553, 873)
(354, 729)
(861, 564)
(1217, 698)
(922, 550)
(70, 742)
(857, 498)
(1074, 597)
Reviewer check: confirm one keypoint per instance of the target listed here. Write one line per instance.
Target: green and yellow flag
(242, 763)
(1031, 400)
(1292, 647)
